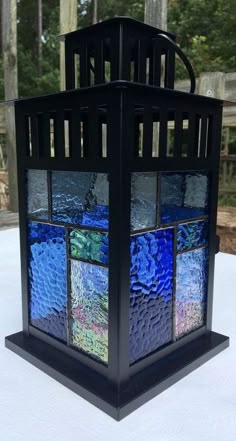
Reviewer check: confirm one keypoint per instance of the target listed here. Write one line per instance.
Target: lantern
(118, 185)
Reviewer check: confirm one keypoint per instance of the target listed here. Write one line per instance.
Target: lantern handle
(183, 58)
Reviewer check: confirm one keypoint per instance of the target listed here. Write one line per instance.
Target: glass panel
(47, 278)
(89, 245)
(89, 309)
(191, 289)
(80, 198)
(37, 192)
(192, 234)
(183, 196)
(151, 292)
(143, 200)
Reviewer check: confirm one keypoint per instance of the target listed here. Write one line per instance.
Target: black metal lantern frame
(109, 129)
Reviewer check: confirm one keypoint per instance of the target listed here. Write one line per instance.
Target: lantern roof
(120, 20)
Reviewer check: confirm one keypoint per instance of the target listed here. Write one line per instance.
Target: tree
(9, 47)
(156, 13)
(206, 32)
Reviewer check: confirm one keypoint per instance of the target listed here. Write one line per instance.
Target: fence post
(68, 23)
(212, 84)
(9, 42)
(156, 13)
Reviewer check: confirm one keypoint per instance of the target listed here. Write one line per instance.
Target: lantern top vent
(121, 49)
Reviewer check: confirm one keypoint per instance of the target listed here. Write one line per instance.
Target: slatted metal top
(118, 49)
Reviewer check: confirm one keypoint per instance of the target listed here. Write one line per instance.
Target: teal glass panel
(89, 309)
(37, 194)
(143, 200)
(183, 196)
(191, 290)
(80, 198)
(89, 245)
(151, 291)
(192, 235)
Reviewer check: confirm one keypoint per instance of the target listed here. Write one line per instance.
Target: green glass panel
(89, 245)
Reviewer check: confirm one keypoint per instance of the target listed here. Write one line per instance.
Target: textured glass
(89, 245)
(47, 278)
(151, 292)
(143, 200)
(191, 289)
(89, 309)
(37, 193)
(183, 196)
(192, 234)
(80, 198)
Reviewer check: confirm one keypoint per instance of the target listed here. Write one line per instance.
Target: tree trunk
(95, 12)
(40, 32)
(68, 23)
(9, 44)
(156, 13)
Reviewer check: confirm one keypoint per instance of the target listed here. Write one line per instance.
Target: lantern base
(97, 390)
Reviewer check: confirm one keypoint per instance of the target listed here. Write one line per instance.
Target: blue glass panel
(183, 196)
(192, 234)
(143, 200)
(37, 193)
(191, 290)
(89, 309)
(80, 198)
(47, 278)
(89, 245)
(151, 288)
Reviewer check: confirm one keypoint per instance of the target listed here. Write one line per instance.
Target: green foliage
(225, 200)
(205, 30)
(31, 82)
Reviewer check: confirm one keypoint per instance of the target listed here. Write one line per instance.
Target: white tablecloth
(34, 407)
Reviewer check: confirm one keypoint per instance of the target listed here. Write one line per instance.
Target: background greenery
(205, 30)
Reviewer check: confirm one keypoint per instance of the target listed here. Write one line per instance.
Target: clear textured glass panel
(151, 288)
(80, 198)
(47, 278)
(191, 290)
(192, 234)
(89, 309)
(37, 193)
(143, 200)
(183, 196)
(89, 245)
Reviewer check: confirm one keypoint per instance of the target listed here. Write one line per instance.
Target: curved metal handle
(183, 58)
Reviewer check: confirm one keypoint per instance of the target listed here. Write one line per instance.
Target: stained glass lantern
(118, 180)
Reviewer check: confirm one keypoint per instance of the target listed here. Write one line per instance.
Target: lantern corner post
(119, 233)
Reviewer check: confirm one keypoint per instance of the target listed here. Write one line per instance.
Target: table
(34, 407)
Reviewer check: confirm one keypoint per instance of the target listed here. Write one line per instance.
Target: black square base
(98, 390)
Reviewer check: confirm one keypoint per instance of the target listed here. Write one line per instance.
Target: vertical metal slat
(163, 134)
(191, 135)
(34, 136)
(142, 63)
(46, 134)
(93, 138)
(83, 65)
(170, 69)
(147, 131)
(75, 134)
(99, 63)
(157, 66)
(203, 137)
(59, 136)
(178, 134)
